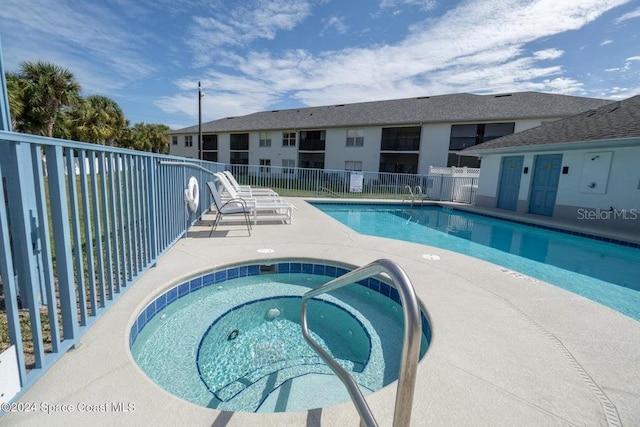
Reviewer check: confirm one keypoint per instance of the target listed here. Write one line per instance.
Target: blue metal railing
(79, 223)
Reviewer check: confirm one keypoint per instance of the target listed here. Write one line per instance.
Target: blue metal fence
(79, 223)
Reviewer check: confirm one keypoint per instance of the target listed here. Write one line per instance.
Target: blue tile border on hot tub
(195, 284)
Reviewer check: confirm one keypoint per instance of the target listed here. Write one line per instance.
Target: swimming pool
(231, 339)
(602, 271)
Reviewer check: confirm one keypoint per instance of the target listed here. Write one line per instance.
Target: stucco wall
(182, 151)
(614, 172)
(434, 146)
(337, 151)
(276, 153)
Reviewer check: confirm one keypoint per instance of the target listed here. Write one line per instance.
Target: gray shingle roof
(462, 107)
(615, 120)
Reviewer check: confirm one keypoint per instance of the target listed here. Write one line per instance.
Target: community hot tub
(231, 339)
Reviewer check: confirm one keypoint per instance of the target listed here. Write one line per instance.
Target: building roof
(462, 107)
(614, 121)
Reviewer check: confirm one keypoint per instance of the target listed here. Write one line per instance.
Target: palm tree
(47, 90)
(158, 138)
(146, 137)
(98, 119)
(15, 89)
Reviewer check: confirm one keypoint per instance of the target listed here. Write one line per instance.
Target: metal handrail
(189, 164)
(410, 346)
(420, 193)
(408, 187)
(333, 193)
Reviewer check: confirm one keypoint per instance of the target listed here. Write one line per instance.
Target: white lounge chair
(230, 207)
(261, 208)
(247, 188)
(227, 190)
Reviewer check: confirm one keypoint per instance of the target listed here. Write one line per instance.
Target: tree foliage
(146, 137)
(44, 99)
(46, 90)
(97, 119)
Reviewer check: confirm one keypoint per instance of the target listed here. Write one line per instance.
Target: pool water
(257, 341)
(236, 344)
(605, 272)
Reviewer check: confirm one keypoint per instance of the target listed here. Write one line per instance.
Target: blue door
(510, 175)
(546, 174)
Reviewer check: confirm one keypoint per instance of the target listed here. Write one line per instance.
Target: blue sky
(255, 55)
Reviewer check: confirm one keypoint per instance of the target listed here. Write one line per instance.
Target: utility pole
(200, 95)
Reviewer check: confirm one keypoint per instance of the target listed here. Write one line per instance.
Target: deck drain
(431, 257)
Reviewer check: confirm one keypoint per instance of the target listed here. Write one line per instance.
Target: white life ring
(192, 195)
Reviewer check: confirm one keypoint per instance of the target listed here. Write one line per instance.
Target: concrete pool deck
(507, 349)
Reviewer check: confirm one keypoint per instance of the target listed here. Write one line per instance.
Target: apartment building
(402, 136)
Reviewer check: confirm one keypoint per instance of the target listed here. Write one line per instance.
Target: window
(455, 160)
(463, 136)
(312, 140)
(496, 130)
(287, 164)
(174, 140)
(210, 156)
(239, 157)
(399, 162)
(265, 139)
(239, 153)
(188, 140)
(311, 160)
(264, 165)
(239, 141)
(288, 139)
(352, 165)
(210, 148)
(401, 139)
(209, 142)
(355, 137)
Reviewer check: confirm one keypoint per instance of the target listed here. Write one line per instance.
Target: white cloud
(334, 23)
(548, 54)
(606, 42)
(626, 67)
(458, 52)
(227, 26)
(619, 93)
(630, 15)
(86, 38)
(423, 4)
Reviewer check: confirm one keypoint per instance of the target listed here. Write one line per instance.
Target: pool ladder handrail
(410, 345)
(418, 192)
(326, 190)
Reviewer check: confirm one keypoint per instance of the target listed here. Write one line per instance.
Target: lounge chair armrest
(236, 200)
